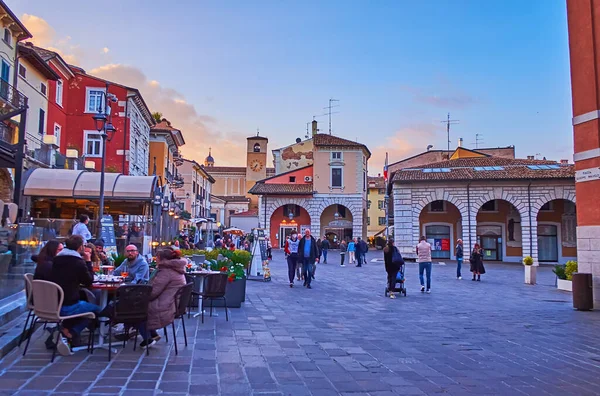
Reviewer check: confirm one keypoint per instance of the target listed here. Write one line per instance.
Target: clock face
(256, 165)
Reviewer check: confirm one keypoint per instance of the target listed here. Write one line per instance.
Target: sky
(218, 70)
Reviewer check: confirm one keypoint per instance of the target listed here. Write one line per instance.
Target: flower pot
(235, 294)
(563, 284)
(530, 274)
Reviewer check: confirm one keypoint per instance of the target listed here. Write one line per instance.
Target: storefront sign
(585, 175)
(107, 234)
(340, 224)
(441, 244)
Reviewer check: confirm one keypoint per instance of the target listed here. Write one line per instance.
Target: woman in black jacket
(477, 267)
(390, 267)
(44, 260)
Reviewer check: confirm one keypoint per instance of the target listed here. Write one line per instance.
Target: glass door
(491, 248)
(439, 238)
(547, 243)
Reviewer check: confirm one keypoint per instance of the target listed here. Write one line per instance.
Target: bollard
(583, 294)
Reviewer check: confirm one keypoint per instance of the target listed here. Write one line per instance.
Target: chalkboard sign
(263, 249)
(107, 234)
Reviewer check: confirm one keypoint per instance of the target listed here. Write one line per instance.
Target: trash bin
(583, 296)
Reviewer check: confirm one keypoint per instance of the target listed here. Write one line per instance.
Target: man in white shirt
(82, 229)
(424, 258)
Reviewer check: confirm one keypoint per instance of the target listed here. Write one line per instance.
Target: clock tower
(256, 164)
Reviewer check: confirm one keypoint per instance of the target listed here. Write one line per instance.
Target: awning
(58, 183)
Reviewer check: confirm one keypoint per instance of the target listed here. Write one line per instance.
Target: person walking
(351, 251)
(343, 248)
(358, 247)
(476, 260)
(392, 260)
(424, 257)
(364, 248)
(291, 251)
(325, 249)
(81, 228)
(459, 258)
(308, 254)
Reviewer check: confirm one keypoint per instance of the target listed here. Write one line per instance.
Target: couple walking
(476, 261)
(304, 252)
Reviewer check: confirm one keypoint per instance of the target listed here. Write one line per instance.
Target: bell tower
(256, 163)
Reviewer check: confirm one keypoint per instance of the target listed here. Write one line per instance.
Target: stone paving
(497, 336)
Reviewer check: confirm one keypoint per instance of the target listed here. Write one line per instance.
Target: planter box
(235, 295)
(530, 274)
(563, 284)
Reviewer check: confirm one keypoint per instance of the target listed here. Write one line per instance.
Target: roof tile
(281, 189)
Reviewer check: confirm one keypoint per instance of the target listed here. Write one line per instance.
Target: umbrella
(234, 230)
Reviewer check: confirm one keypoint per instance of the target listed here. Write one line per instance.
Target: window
(134, 154)
(381, 220)
(489, 206)
(381, 191)
(543, 167)
(257, 148)
(380, 204)
(93, 144)
(436, 170)
(59, 92)
(43, 89)
(368, 221)
(22, 71)
(368, 204)
(437, 206)
(292, 179)
(231, 212)
(488, 168)
(93, 101)
(42, 122)
(547, 207)
(5, 75)
(57, 130)
(336, 177)
(341, 209)
(365, 181)
(336, 155)
(7, 37)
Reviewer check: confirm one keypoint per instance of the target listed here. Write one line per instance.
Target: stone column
(403, 221)
(469, 232)
(584, 34)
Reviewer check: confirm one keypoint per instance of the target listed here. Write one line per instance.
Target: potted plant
(236, 282)
(530, 271)
(562, 283)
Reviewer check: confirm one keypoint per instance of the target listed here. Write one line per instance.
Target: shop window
(437, 206)
(439, 238)
(490, 206)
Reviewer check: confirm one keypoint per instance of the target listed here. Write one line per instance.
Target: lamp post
(105, 126)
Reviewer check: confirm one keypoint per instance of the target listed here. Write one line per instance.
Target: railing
(6, 133)
(10, 98)
(39, 151)
(168, 175)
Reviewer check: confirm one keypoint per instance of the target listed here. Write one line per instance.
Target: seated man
(70, 272)
(136, 267)
(100, 252)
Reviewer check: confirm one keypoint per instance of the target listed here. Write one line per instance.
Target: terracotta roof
(28, 52)
(164, 125)
(281, 189)
(378, 182)
(233, 198)
(45, 54)
(233, 169)
(248, 213)
(464, 169)
(257, 137)
(323, 139)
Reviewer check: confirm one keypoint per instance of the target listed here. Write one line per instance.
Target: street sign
(585, 175)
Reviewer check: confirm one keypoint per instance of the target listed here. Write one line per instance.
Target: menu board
(107, 234)
(262, 244)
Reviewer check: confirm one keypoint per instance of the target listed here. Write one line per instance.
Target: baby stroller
(399, 285)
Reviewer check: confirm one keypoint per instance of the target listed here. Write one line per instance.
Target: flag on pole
(385, 168)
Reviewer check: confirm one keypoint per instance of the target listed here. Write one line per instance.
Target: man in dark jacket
(364, 248)
(308, 253)
(70, 272)
(459, 258)
(359, 252)
(325, 249)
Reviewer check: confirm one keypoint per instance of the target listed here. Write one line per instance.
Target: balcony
(177, 158)
(168, 175)
(12, 102)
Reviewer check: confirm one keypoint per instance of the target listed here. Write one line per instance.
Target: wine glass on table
(124, 274)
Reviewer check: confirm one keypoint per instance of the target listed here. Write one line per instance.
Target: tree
(157, 115)
(185, 215)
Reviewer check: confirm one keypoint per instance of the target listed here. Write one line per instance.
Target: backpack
(397, 257)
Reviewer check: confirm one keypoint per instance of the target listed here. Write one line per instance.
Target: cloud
(448, 98)
(44, 36)
(200, 131)
(405, 142)
(105, 50)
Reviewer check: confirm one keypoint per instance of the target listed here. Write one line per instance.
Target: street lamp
(291, 215)
(104, 125)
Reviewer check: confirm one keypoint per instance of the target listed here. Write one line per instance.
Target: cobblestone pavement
(497, 336)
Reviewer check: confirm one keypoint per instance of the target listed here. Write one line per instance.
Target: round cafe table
(201, 275)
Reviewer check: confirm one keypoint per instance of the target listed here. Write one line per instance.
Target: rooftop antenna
(329, 112)
(257, 131)
(478, 140)
(449, 122)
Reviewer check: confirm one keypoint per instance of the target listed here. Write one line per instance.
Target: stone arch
(353, 205)
(559, 192)
(6, 186)
(439, 195)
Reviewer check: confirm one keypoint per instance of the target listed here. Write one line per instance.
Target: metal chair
(47, 308)
(194, 295)
(214, 288)
(182, 298)
(130, 308)
(28, 294)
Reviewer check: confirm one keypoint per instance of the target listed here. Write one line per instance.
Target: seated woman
(169, 278)
(44, 260)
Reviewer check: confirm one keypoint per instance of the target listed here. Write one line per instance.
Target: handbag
(397, 257)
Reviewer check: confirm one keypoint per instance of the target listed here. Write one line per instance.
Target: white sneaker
(392, 295)
(459, 278)
(422, 289)
(343, 265)
(62, 347)
(428, 291)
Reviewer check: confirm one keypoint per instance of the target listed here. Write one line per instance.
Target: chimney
(314, 127)
(530, 157)
(460, 142)
(564, 162)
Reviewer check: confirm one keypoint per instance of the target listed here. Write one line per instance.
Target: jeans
(307, 270)
(292, 261)
(342, 257)
(79, 308)
(425, 267)
(143, 330)
(459, 266)
(351, 259)
(359, 259)
(324, 255)
(391, 278)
